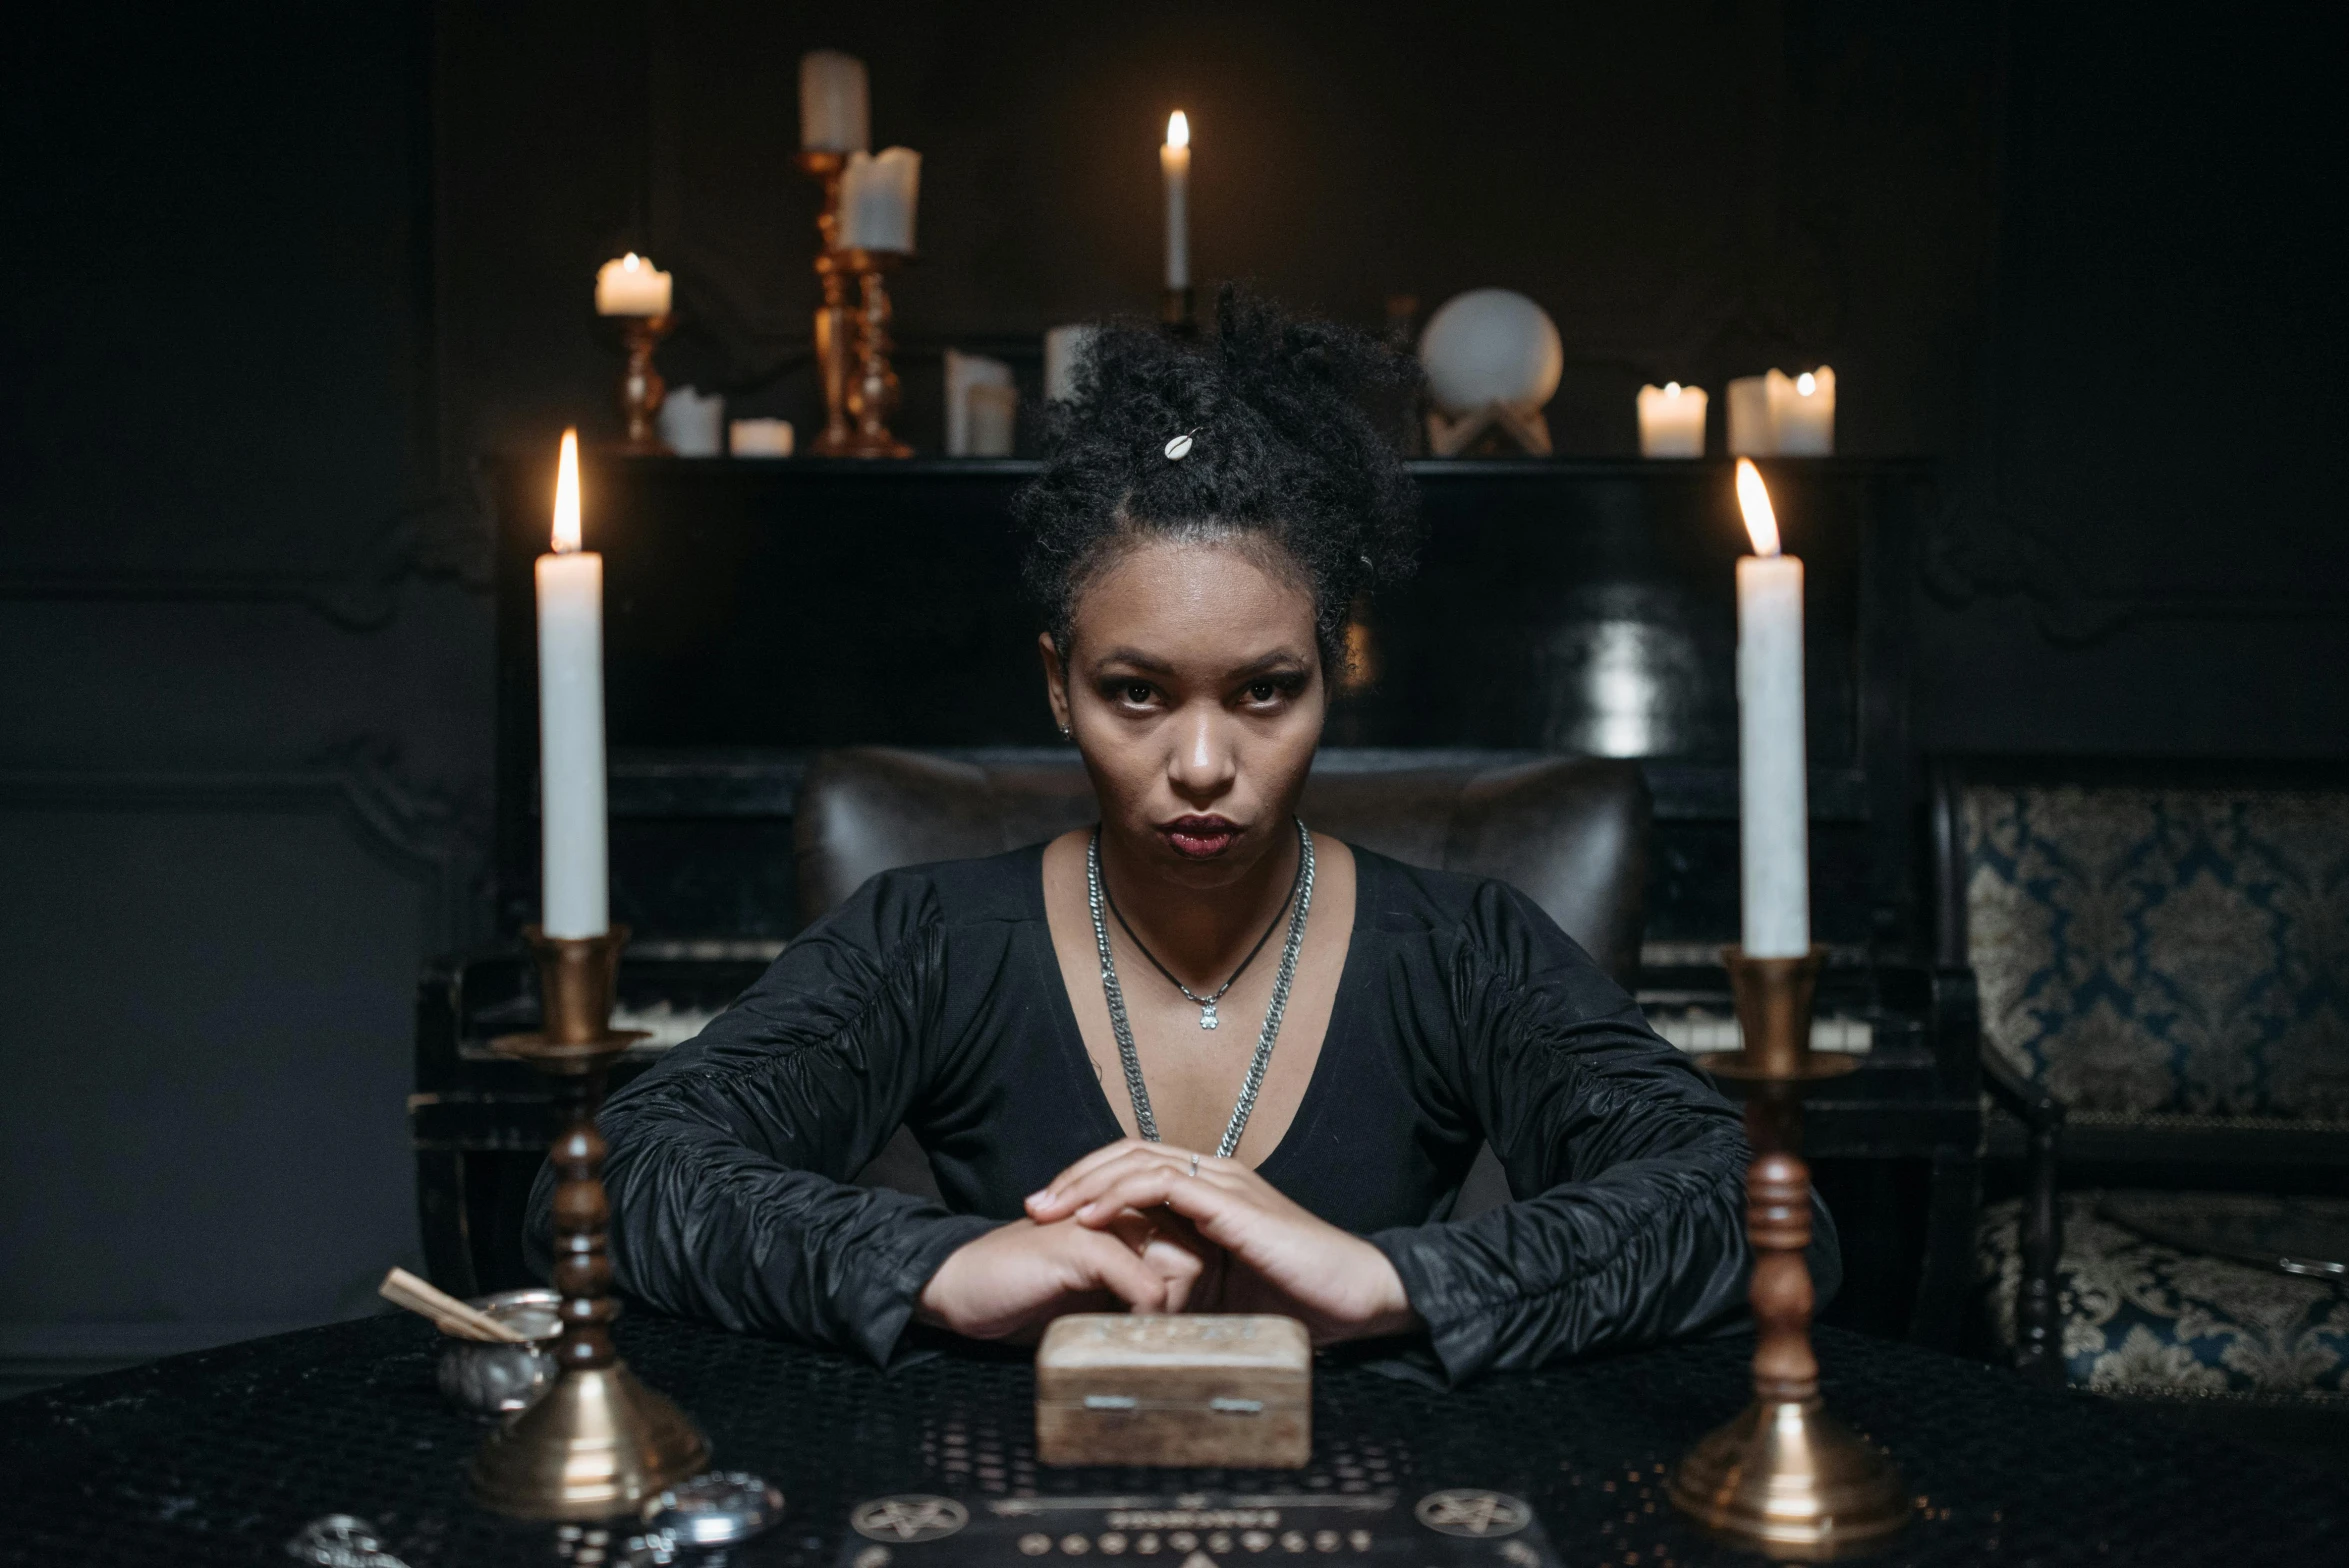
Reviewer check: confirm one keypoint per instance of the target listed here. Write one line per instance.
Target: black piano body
(758, 612)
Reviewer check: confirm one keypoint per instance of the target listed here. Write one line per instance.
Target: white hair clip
(1180, 447)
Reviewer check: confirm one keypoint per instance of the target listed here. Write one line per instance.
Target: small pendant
(1207, 1015)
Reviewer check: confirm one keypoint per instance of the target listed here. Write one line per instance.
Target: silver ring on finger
(1194, 1162)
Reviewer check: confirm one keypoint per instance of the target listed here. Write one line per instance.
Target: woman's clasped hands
(1155, 1228)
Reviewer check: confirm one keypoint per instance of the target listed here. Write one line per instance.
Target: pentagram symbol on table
(1477, 1515)
(913, 1517)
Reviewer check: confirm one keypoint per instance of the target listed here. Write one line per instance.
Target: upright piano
(760, 611)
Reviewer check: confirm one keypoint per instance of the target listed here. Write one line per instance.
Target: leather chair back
(1571, 833)
(1568, 832)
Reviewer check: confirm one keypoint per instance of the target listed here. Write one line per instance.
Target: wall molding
(444, 539)
(1977, 554)
(430, 834)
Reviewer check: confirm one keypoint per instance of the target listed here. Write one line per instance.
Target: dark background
(276, 275)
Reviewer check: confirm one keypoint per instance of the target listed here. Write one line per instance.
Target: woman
(1196, 1057)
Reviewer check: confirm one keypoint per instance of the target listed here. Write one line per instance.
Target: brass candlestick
(834, 329)
(1177, 309)
(1784, 1478)
(852, 338)
(641, 388)
(872, 384)
(599, 1442)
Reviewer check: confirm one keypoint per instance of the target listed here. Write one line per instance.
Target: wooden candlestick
(1784, 1478)
(599, 1442)
(642, 390)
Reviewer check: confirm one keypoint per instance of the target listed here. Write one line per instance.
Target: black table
(219, 1457)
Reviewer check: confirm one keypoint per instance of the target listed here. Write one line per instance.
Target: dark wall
(241, 700)
(275, 275)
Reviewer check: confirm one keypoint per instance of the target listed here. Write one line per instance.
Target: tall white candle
(877, 199)
(631, 285)
(1773, 792)
(571, 719)
(1672, 421)
(835, 107)
(1174, 161)
(1802, 413)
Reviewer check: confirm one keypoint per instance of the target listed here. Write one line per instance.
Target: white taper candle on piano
(575, 886)
(1174, 161)
(1773, 791)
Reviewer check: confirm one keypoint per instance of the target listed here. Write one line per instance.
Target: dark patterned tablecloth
(221, 1457)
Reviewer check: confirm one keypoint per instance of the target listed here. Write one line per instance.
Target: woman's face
(1195, 691)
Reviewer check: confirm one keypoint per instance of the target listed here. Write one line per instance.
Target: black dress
(934, 998)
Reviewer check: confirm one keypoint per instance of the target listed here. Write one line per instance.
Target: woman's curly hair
(1289, 419)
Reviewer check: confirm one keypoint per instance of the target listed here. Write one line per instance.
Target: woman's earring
(1064, 733)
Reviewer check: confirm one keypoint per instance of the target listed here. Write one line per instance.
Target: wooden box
(1193, 1389)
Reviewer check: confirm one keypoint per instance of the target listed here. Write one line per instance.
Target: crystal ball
(1491, 346)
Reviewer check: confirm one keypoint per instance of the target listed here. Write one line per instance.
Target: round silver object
(491, 1378)
(717, 1509)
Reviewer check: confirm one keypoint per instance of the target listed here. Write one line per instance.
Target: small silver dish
(720, 1508)
(490, 1378)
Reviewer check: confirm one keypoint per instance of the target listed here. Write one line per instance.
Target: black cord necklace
(1206, 1004)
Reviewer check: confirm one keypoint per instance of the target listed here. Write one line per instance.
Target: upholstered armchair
(2161, 958)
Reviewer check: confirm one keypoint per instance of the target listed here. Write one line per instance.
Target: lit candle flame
(1806, 384)
(1754, 500)
(1178, 129)
(1672, 389)
(631, 261)
(567, 496)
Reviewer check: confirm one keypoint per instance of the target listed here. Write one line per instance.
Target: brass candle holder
(641, 388)
(834, 329)
(852, 340)
(1178, 311)
(872, 384)
(599, 1442)
(1784, 1478)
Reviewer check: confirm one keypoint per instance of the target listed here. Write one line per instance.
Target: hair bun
(1292, 425)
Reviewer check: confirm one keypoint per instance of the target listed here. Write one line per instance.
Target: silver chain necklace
(1146, 1123)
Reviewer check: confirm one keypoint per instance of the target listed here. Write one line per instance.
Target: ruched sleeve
(1631, 1229)
(728, 1158)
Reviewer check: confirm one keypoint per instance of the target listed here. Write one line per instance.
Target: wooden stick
(403, 1289)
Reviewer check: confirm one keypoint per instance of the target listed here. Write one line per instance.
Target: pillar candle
(965, 374)
(1802, 413)
(835, 109)
(1672, 421)
(571, 719)
(993, 419)
(877, 199)
(1749, 417)
(631, 285)
(760, 438)
(1174, 161)
(1064, 347)
(1773, 792)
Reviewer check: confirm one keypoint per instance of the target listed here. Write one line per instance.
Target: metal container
(490, 1378)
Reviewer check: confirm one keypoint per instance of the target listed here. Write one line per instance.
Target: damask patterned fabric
(2164, 951)
(2142, 1318)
